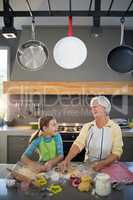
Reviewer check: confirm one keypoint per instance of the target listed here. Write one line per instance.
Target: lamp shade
(70, 52)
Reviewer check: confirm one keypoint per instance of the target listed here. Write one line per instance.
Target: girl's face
(97, 110)
(52, 127)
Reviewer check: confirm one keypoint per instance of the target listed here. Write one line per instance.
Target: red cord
(70, 31)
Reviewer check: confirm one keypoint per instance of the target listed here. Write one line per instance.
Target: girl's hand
(37, 168)
(48, 165)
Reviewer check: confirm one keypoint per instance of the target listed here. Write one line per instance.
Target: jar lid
(102, 176)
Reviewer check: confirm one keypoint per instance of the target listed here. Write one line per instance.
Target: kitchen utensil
(70, 52)
(33, 54)
(120, 59)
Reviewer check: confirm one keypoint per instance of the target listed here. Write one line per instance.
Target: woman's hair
(43, 121)
(103, 101)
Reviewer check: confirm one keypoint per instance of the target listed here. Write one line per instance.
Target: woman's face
(97, 110)
(52, 127)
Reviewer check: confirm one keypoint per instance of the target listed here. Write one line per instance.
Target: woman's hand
(98, 165)
(63, 166)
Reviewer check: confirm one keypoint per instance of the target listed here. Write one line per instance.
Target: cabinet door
(16, 145)
(127, 149)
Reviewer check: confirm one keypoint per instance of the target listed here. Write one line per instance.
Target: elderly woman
(101, 138)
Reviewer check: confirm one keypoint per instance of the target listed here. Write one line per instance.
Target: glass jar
(103, 184)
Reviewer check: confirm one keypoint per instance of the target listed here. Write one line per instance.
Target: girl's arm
(34, 165)
(51, 163)
(27, 155)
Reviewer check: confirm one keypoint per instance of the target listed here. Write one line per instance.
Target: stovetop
(70, 127)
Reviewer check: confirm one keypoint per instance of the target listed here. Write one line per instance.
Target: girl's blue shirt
(35, 143)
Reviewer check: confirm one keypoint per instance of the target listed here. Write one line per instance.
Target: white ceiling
(64, 5)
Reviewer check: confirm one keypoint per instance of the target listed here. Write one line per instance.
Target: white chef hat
(103, 101)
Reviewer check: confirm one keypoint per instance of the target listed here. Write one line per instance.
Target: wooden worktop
(68, 88)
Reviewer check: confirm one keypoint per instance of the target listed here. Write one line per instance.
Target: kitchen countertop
(125, 193)
(28, 130)
(14, 128)
(4, 172)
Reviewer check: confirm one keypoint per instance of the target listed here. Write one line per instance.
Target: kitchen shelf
(68, 88)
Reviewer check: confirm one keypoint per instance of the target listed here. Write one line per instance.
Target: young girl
(48, 144)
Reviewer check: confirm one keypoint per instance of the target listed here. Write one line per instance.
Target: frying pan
(33, 54)
(70, 52)
(120, 59)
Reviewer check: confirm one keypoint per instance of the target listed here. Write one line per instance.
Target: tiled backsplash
(66, 108)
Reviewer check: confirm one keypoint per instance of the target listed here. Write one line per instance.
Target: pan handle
(33, 28)
(122, 21)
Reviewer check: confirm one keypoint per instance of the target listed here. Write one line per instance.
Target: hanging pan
(120, 59)
(33, 54)
(70, 52)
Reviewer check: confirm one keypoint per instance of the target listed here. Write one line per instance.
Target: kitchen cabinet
(13, 143)
(15, 147)
(127, 149)
(17, 144)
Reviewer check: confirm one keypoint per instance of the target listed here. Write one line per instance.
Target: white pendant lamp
(70, 52)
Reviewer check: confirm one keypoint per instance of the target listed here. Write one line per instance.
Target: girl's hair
(43, 121)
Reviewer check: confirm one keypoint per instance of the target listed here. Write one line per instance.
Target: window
(3, 77)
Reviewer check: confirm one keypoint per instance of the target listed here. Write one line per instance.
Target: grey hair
(103, 101)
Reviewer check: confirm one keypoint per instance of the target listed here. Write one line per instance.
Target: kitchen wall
(12, 44)
(94, 68)
(65, 108)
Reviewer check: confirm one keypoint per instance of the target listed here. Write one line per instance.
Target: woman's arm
(98, 165)
(116, 150)
(74, 150)
(76, 147)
